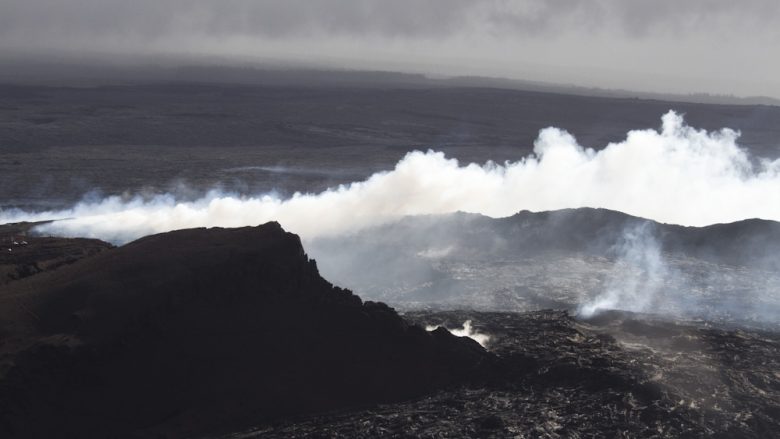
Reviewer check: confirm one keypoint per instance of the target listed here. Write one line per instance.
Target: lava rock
(490, 422)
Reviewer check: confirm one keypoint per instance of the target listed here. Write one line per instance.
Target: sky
(671, 46)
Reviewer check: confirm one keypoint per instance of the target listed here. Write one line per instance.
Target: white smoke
(636, 280)
(466, 331)
(677, 174)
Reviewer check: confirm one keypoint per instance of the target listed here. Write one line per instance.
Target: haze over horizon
(715, 47)
(649, 175)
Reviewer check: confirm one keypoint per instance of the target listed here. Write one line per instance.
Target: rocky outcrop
(22, 255)
(204, 330)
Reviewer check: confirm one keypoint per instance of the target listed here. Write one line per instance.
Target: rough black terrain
(621, 375)
(204, 330)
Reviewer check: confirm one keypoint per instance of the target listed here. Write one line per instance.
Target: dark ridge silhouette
(751, 242)
(204, 330)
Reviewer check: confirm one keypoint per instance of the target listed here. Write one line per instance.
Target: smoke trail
(637, 277)
(677, 174)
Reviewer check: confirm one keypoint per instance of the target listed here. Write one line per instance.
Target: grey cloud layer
(716, 46)
(398, 18)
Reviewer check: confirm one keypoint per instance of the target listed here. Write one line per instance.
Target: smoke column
(637, 278)
(676, 174)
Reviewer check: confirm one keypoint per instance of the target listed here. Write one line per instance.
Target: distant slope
(85, 72)
(751, 242)
(563, 259)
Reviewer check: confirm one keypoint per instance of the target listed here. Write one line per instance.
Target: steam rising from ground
(637, 278)
(466, 331)
(676, 174)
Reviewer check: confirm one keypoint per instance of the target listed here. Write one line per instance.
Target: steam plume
(677, 174)
(466, 331)
(637, 277)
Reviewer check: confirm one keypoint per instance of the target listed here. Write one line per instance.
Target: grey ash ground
(562, 260)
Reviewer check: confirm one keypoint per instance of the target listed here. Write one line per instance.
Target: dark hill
(752, 242)
(204, 330)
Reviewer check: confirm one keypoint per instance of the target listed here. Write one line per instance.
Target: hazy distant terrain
(581, 260)
(59, 143)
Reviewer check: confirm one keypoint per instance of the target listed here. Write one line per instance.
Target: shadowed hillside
(203, 330)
